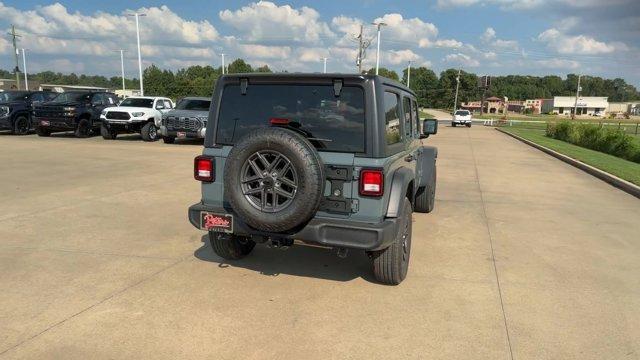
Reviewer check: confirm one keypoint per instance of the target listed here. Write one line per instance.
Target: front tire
(390, 265)
(21, 125)
(453, 124)
(43, 132)
(468, 125)
(149, 132)
(107, 134)
(168, 139)
(230, 247)
(83, 130)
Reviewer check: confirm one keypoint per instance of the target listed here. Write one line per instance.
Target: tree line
(433, 90)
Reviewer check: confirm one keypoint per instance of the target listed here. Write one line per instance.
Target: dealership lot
(524, 257)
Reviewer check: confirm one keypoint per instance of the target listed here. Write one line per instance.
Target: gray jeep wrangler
(331, 159)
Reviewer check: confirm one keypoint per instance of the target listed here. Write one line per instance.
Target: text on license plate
(216, 222)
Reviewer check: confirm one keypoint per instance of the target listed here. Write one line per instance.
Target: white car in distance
(461, 117)
(136, 114)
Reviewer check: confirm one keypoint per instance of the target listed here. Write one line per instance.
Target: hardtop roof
(319, 76)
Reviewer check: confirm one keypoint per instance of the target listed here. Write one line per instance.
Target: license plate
(181, 135)
(216, 222)
(45, 123)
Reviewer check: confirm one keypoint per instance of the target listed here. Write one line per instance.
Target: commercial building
(564, 105)
(623, 107)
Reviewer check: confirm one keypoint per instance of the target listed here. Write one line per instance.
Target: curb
(602, 175)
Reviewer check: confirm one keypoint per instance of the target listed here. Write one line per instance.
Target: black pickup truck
(77, 111)
(16, 107)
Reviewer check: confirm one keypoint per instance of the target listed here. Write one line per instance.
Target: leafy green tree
(239, 66)
(384, 72)
(424, 83)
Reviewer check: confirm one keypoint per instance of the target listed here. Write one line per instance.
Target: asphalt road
(524, 257)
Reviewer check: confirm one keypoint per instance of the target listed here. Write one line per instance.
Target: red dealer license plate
(216, 222)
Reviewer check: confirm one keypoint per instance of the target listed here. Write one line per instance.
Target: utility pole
(455, 102)
(409, 73)
(15, 52)
(379, 25)
(122, 68)
(137, 16)
(222, 64)
(325, 65)
(575, 106)
(24, 68)
(362, 49)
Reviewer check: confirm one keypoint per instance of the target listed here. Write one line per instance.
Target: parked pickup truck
(16, 108)
(77, 111)
(138, 114)
(331, 159)
(187, 120)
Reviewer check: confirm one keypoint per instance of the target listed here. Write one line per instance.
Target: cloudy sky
(594, 37)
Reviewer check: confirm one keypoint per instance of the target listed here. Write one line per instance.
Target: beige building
(623, 107)
(586, 105)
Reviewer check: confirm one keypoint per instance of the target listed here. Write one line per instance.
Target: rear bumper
(323, 231)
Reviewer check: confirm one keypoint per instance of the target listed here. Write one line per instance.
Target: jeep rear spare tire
(274, 179)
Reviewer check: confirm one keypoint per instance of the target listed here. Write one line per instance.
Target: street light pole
(24, 68)
(575, 106)
(455, 102)
(380, 24)
(325, 65)
(409, 74)
(222, 64)
(122, 68)
(137, 15)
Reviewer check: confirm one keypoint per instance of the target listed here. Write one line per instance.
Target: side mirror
(429, 127)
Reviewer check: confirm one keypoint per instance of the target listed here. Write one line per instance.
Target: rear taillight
(203, 169)
(371, 182)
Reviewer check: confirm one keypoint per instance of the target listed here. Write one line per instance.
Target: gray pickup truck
(335, 160)
(187, 120)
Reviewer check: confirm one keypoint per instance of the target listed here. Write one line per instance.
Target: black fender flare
(402, 177)
(426, 165)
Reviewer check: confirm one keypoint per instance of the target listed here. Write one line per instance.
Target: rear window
(332, 123)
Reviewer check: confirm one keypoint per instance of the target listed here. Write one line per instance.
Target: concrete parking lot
(524, 257)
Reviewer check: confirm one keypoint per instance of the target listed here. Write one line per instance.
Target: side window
(415, 118)
(36, 98)
(159, 105)
(392, 118)
(97, 99)
(168, 105)
(111, 100)
(406, 106)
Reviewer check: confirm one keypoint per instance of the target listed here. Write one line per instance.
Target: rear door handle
(409, 158)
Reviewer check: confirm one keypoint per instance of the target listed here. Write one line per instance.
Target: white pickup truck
(137, 114)
(461, 117)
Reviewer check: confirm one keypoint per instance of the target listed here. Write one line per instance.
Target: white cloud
(578, 44)
(558, 64)
(440, 43)
(265, 20)
(404, 30)
(489, 38)
(505, 4)
(398, 57)
(462, 59)
(265, 52)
